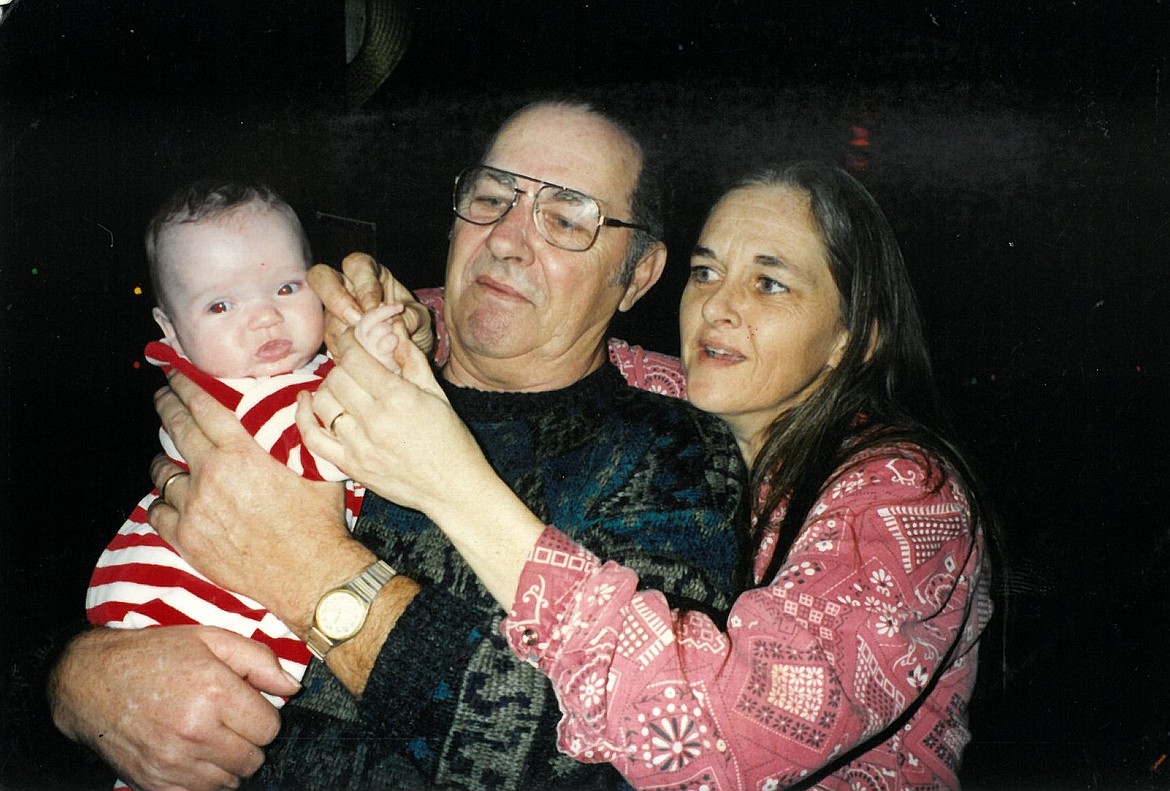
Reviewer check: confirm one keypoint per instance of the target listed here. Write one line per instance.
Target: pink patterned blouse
(887, 574)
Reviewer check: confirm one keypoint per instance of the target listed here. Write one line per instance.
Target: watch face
(340, 614)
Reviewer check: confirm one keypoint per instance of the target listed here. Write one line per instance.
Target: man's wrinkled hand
(362, 285)
(170, 707)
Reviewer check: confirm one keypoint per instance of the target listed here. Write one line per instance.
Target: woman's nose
(722, 306)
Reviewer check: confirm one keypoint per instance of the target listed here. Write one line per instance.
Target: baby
(228, 262)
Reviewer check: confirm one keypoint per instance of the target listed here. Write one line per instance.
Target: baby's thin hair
(210, 199)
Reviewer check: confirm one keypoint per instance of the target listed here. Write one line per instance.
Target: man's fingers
(215, 423)
(330, 288)
(162, 468)
(179, 423)
(363, 272)
(254, 662)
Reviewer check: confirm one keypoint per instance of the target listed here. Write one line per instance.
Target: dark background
(1020, 150)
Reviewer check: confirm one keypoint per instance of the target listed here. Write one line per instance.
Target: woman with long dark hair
(850, 659)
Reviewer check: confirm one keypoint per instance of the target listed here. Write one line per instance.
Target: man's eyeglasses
(565, 218)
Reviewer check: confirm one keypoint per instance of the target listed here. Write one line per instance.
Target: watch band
(365, 587)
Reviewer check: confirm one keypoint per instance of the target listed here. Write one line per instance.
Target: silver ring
(333, 422)
(162, 490)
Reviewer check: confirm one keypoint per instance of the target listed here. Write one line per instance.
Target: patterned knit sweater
(644, 480)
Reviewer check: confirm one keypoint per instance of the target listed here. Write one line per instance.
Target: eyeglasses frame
(602, 220)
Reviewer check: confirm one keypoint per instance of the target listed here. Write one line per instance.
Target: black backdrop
(1019, 149)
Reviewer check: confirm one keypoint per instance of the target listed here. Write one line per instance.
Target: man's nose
(511, 236)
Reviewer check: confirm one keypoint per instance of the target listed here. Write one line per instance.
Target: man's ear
(646, 274)
(164, 323)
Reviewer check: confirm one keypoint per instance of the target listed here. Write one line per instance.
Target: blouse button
(529, 637)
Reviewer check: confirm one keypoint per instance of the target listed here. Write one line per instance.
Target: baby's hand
(375, 335)
(417, 320)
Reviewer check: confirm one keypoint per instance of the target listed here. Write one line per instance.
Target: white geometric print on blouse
(922, 531)
(671, 732)
(788, 693)
(701, 634)
(644, 633)
(877, 695)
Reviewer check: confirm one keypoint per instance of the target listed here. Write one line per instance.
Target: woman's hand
(398, 435)
(395, 433)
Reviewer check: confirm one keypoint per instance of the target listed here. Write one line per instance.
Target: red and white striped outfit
(141, 581)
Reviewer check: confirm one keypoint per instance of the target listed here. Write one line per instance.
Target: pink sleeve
(831, 651)
(653, 371)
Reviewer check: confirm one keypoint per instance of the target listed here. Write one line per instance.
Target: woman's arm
(832, 651)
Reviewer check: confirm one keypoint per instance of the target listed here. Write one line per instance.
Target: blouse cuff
(556, 568)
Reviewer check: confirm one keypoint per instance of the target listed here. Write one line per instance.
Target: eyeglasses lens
(564, 217)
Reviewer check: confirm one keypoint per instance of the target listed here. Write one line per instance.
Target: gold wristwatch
(342, 611)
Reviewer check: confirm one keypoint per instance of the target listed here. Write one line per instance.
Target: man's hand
(243, 519)
(363, 285)
(171, 707)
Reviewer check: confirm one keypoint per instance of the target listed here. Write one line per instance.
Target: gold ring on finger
(162, 490)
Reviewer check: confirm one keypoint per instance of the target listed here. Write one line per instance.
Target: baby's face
(240, 305)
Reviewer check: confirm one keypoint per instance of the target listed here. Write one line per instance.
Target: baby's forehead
(238, 218)
(236, 240)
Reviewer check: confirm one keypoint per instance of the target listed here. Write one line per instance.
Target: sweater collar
(487, 405)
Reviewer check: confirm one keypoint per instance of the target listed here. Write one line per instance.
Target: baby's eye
(218, 307)
(289, 288)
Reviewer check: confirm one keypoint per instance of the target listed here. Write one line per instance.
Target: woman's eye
(770, 286)
(702, 274)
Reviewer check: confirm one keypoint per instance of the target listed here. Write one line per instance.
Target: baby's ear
(164, 323)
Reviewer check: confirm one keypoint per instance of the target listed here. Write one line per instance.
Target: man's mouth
(497, 288)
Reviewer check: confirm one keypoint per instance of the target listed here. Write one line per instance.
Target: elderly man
(417, 688)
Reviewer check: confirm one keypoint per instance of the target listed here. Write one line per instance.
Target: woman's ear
(646, 274)
(838, 348)
(874, 336)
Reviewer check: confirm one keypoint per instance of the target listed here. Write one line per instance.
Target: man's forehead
(569, 147)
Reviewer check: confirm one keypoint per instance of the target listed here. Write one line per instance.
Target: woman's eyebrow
(771, 260)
